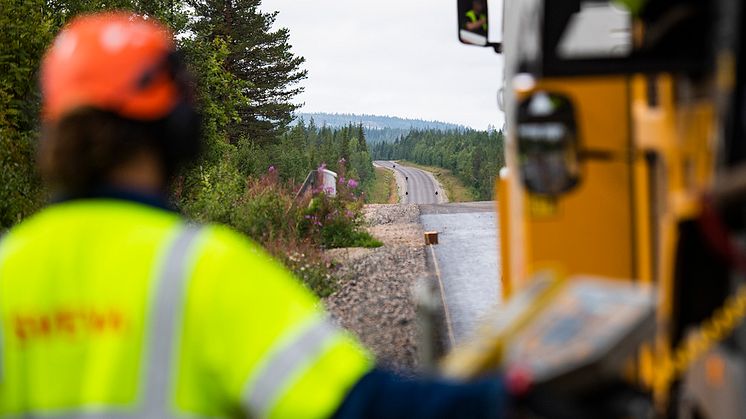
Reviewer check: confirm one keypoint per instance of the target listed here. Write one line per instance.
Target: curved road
(415, 186)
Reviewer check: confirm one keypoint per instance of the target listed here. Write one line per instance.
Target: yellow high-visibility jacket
(113, 308)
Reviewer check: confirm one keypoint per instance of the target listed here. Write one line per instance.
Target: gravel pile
(375, 299)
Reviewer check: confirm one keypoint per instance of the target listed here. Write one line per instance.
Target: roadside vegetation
(383, 190)
(253, 162)
(474, 157)
(454, 187)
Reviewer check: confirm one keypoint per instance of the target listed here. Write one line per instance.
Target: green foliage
(219, 92)
(475, 157)
(22, 47)
(266, 213)
(214, 195)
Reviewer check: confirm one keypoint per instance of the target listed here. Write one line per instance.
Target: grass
(383, 190)
(455, 188)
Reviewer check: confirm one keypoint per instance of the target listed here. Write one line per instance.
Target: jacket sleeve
(382, 394)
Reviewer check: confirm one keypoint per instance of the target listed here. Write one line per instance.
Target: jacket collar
(111, 192)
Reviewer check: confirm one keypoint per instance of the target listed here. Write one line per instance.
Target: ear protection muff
(181, 129)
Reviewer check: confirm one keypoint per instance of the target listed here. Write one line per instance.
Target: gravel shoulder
(375, 299)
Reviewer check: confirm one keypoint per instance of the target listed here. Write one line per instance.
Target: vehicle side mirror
(476, 26)
(548, 145)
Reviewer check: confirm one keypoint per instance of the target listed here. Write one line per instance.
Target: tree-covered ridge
(375, 121)
(377, 128)
(474, 156)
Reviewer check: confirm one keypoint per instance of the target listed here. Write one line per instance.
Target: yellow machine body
(648, 161)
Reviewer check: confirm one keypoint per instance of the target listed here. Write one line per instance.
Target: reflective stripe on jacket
(117, 309)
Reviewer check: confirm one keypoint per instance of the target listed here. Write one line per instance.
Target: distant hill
(378, 128)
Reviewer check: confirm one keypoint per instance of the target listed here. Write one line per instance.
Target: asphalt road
(468, 259)
(415, 186)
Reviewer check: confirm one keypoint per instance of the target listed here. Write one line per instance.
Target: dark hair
(78, 153)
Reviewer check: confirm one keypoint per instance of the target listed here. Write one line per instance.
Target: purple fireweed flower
(352, 183)
(341, 180)
(349, 214)
(329, 190)
(322, 167)
(342, 160)
(271, 169)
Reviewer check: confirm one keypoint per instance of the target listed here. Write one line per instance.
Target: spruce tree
(259, 55)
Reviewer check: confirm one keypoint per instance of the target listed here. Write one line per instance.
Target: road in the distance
(415, 186)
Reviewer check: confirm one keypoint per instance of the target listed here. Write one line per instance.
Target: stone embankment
(375, 300)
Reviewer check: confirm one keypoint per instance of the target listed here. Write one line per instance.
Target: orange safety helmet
(113, 61)
(125, 64)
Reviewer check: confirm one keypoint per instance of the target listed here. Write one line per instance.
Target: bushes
(295, 232)
(337, 221)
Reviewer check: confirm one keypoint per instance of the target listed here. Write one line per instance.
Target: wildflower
(349, 214)
(342, 161)
(322, 167)
(352, 183)
(271, 169)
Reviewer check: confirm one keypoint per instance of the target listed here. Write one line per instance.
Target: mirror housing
(474, 24)
(548, 146)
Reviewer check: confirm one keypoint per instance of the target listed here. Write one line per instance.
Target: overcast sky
(391, 57)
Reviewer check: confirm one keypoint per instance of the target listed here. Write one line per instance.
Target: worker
(476, 18)
(114, 306)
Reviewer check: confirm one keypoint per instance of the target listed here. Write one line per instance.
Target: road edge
(401, 183)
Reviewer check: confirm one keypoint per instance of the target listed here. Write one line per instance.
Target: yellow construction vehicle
(626, 132)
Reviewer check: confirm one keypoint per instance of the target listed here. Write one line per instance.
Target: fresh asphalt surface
(415, 186)
(468, 258)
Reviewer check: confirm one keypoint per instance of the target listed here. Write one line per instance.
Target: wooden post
(431, 237)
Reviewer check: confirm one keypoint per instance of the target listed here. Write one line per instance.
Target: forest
(376, 127)
(475, 157)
